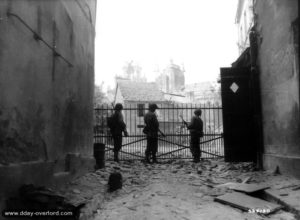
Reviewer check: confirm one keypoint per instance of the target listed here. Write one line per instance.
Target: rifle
(186, 124)
(161, 133)
(146, 132)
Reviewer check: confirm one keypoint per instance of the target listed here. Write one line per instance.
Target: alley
(90, 81)
(170, 190)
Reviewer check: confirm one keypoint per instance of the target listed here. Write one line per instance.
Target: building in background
(244, 22)
(133, 72)
(172, 79)
(137, 96)
(203, 93)
(176, 98)
(46, 90)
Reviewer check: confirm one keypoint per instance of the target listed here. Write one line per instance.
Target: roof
(173, 94)
(244, 60)
(140, 91)
(201, 86)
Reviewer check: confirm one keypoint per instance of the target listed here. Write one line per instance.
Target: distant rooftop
(201, 86)
(140, 91)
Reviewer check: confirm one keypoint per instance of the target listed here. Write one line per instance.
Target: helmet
(118, 106)
(198, 112)
(153, 106)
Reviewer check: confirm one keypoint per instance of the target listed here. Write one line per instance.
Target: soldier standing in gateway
(151, 130)
(196, 131)
(117, 126)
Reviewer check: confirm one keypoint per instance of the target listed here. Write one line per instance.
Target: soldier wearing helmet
(117, 127)
(151, 130)
(196, 131)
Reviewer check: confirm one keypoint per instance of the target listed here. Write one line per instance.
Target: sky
(199, 34)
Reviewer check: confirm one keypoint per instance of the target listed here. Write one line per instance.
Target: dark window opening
(141, 110)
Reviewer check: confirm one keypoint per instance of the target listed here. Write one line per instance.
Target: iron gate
(176, 142)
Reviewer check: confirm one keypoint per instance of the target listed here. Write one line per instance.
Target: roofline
(128, 100)
(173, 94)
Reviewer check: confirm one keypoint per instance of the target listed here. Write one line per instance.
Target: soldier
(196, 131)
(151, 130)
(117, 126)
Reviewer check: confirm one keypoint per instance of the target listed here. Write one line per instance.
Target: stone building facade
(46, 89)
(172, 79)
(277, 35)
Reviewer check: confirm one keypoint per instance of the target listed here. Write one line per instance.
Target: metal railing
(176, 142)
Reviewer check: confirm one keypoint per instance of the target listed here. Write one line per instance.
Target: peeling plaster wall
(46, 106)
(279, 84)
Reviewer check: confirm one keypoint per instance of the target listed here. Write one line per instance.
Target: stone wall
(279, 84)
(46, 95)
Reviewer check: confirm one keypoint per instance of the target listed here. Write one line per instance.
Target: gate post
(99, 155)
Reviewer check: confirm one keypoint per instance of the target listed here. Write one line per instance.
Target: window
(141, 110)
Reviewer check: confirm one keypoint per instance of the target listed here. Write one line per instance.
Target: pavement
(178, 189)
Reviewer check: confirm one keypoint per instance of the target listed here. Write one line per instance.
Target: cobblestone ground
(169, 190)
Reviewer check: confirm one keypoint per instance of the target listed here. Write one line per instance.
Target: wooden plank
(227, 185)
(247, 179)
(247, 203)
(243, 187)
(248, 188)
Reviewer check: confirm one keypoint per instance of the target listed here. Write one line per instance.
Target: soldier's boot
(147, 156)
(154, 160)
(196, 156)
(192, 152)
(116, 157)
(196, 160)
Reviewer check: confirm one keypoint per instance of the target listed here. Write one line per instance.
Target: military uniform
(152, 129)
(196, 131)
(116, 130)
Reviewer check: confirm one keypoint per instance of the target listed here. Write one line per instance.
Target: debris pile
(40, 199)
(134, 185)
(114, 181)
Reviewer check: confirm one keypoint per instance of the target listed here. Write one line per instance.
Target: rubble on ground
(138, 178)
(32, 198)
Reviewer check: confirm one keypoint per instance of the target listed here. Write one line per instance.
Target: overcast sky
(200, 34)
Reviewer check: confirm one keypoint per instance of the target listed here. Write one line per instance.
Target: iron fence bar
(135, 146)
(187, 147)
(209, 119)
(183, 145)
(218, 122)
(160, 155)
(111, 149)
(173, 124)
(167, 135)
(133, 142)
(178, 135)
(166, 108)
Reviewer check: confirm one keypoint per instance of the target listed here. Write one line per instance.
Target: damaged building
(277, 34)
(268, 33)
